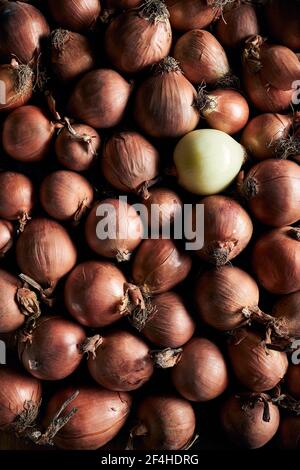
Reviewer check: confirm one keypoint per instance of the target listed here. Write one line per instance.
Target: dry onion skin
(18, 82)
(16, 198)
(288, 308)
(237, 24)
(76, 15)
(190, 14)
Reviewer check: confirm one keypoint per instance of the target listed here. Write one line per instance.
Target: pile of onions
(289, 432)
(190, 14)
(27, 134)
(18, 83)
(244, 424)
(292, 381)
(45, 252)
(208, 161)
(272, 190)
(201, 374)
(16, 197)
(165, 422)
(276, 260)
(76, 15)
(71, 54)
(52, 350)
(279, 14)
(288, 308)
(6, 237)
(114, 229)
(164, 207)
(255, 367)
(228, 229)
(237, 24)
(145, 30)
(100, 98)
(77, 146)
(22, 30)
(121, 361)
(159, 266)
(99, 417)
(201, 57)
(164, 102)
(94, 293)
(130, 163)
(65, 195)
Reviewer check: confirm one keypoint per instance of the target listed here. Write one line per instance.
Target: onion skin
(18, 82)
(289, 433)
(11, 317)
(100, 416)
(122, 4)
(256, 368)
(170, 206)
(159, 266)
(100, 98)
(16, 197)
(278, 15)
(276, 261)
(6, 237)
(280, 66)
(288, 308)
(190, 14)
(238, 23)
(27, 134)
(245, 427)
(201, 374)
(292, 381)
(76, 15)
(93, 293)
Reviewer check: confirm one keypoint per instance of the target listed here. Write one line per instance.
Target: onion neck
(30, 307)
(219, 251)
(167, 358)
(250, 400)
(59, 37)
(133, 299)
(167, 65)
(26, 418)
(204, 101)
(154, 11)
(251, 53)
(91, 345)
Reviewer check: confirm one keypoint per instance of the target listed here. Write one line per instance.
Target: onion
(208, 161)
(27, 134)
(119, 223)
(290, 432)
(65, 195)
(100, 98)
(52, 350)
(236, 25)
(164, 102)
(255, 367)
(228, 229)
(71, 54)
(77, 15)
(16, 197)
(288, 308)
(77, 146)
(272, 189)
(22, 30)
(293, 381)
(165, 422)
(121, 362)
(94, 293)
(6, 237)
(17, 80)
(201, 374)
(100, 416)
(276, 260)
(130, 163)
(163, 207)
(201, 57)
(279, 14)
(245, 425)
(122, 4)
(45, 252)
(139, 38)
(159, 266)
(190, 14)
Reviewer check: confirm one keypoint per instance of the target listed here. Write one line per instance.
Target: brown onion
(201, 374)
(65, 195)
(272, 189)
(190, 14)
(17, 80)
(164, 206)
(45, 252)
(130, 163)
(255, 367)
(6, 236)
(124, 223)
(100, 98)
(76, 15)
(27, 134)
(280, 13)
(237, 24)
(288, 308)
(110, 4)
(164, 103)
(159, 266)
(94, 292)
(139, 38)
(100, 416)
(16, 197)
(71, 54)
(289, 433)
(245, 425)
(292, 381)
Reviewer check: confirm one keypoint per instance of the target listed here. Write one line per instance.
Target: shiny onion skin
(18, 82)
(130, 163)
(6, 237)
(65, 195)
(45, 252)
(94, 292)
(167, 203)
(190, 14)
(272, 190)
(100, 98)
(27, 134)
(164, 102)
(126, 222)
(244, 425)
(292, 381)
(52, 351)
(139, 38)
(276, 260)
(76, 15)
(228, 229)
(11, 316)
(222, 294)
(16, 197)
(201, 374)
(100, 416)
(288, 308)
(159, 266)
(122, 362)
(279, 14)
(256, 368)
(23, 28)
(236, 25)
(289, 433)
(201, 57)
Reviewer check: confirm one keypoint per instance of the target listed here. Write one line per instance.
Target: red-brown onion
(164, 206)
(16, 197)
(281, 13)
(237, 24)
(288, 308)
(190, 14)
(6, 237)
(76, 15)
(122, 4)
(17, 80)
